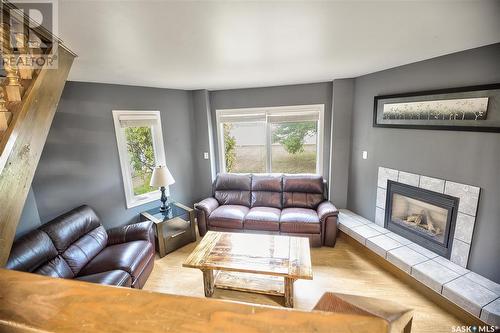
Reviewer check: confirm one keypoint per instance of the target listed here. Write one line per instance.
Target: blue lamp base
(165, 205)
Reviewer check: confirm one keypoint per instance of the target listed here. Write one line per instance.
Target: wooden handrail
(22, 143)
(28, 102)
(36, 303)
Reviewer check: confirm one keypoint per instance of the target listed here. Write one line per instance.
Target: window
(278, 139)
(140, 147)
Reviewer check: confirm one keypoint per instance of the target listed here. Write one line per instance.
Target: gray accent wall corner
(203, 142)
(465, 157)
(340, 147)
(80, 164)
(30, 219)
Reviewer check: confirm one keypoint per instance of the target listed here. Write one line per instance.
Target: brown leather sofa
(292, 205)
(76, 246)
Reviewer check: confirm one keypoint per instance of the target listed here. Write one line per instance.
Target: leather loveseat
(292, 205)
(76, 246)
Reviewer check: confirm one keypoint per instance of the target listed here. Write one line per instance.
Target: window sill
(143, 199)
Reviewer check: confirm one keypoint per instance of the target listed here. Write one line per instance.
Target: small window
(140, 147)
(278, 139)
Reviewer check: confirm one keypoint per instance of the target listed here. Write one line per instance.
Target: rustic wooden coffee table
(265, 264)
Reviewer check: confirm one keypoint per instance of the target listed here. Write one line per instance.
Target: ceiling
(219, 45)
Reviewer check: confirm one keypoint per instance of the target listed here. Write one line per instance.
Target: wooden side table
(173, 229)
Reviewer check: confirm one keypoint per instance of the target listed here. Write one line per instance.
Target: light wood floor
(344, 269)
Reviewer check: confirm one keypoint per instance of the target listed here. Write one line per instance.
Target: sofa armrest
(208, 205)
(327, 214)
(326, 209)
(132, 232)
(203, 210)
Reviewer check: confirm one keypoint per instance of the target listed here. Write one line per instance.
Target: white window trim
(131, 199)
(269, 111)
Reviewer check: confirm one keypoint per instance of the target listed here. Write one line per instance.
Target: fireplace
(422, 216)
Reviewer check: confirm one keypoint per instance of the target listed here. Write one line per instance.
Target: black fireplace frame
(445, 201)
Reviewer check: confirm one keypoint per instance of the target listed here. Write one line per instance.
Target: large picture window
(140, 147)
(277, 139)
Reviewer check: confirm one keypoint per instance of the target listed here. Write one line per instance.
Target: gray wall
(301, 94)
(29, 218)
(80, 164)
(340, 153)
(203, 142)
(465, 157)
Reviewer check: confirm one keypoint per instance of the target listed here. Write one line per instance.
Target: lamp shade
(161, 177)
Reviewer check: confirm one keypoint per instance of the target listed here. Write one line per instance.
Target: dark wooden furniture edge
(398, 317)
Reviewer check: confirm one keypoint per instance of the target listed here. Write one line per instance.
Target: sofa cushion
(141, 280)
(36, 253)
(302, 191)
(78, 236)
(31, 251)
(233, 189)
(67, 228)
(78, 254)
(263, 218)
(228, 216)
(131, 257)
(299, 220)
(114, 278)
(266, 191)
(57, 267)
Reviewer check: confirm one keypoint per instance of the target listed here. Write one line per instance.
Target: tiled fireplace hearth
(448, 277)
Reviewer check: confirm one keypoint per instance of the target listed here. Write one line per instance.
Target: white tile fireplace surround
(470, 291)
(467, 208)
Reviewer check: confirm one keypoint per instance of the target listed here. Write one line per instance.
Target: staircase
(29, 94)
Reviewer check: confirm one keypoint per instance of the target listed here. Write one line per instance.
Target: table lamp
(161, 178)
